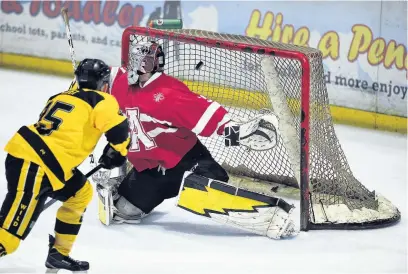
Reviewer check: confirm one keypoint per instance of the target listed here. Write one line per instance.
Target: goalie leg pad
(105, 204)
(227, 204)
(126, 212)
(121, 211)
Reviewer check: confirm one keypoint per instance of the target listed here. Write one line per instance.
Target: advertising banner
(364, 44)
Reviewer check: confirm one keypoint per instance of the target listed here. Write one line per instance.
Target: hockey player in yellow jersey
(43, 158)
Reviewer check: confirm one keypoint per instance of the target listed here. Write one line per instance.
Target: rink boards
(340, 115)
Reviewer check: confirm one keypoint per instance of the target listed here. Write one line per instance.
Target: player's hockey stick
(89, 174)
(64, 12)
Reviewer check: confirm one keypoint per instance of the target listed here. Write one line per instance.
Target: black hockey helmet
(92, 74)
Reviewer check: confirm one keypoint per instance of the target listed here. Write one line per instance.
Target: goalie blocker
(227, 204)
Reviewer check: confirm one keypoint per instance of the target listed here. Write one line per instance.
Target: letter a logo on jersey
(137, 131)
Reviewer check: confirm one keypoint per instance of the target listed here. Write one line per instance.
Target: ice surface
(171, 240)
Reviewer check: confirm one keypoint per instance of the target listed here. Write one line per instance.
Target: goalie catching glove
(259, 133)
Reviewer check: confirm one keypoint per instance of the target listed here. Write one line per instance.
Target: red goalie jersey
(164, 117)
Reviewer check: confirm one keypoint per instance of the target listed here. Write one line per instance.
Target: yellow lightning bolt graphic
(198, 201)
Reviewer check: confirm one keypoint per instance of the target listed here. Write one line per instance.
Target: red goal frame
(258, 49)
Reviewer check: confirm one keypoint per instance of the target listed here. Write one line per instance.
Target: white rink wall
(363, 43)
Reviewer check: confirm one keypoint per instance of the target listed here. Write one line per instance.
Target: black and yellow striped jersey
(68, 130)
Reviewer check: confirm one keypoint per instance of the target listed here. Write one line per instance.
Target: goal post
(247, 75)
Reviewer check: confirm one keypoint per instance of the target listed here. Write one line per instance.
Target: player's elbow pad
(118, 137)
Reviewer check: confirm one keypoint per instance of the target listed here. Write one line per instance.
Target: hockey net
(247, 75)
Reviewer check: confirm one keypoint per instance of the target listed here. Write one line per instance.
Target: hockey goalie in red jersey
(168, 159)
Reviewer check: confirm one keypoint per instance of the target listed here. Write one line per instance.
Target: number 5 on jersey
(137, 131)
(49, 121)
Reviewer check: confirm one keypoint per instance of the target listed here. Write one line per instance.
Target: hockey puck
(199, 65)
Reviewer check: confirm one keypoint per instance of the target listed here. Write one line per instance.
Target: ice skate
(56, 261)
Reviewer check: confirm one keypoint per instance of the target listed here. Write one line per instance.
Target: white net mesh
(238, 72)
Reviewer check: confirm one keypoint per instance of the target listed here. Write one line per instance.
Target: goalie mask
(144, 57)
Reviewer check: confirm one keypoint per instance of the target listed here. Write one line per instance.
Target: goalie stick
(90, 173)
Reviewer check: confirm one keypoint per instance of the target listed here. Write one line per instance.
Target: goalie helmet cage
(248, 76)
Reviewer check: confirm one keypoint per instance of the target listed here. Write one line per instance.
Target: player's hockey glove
(111, 158)
(259, 133)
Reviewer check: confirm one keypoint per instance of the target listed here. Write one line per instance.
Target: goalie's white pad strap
(227, 204)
